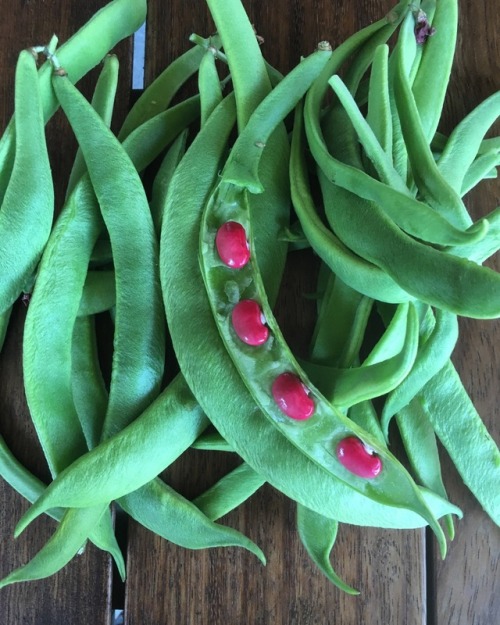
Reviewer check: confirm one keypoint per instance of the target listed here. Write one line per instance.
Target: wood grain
(399, 574)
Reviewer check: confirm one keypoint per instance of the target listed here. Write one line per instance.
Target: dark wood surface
(399, 574)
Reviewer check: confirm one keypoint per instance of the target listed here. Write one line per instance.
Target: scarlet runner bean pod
(215, 382)
(225, 287)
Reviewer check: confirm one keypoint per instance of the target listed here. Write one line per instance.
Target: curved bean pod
(243, 162)
(414, 217)
(318, 535)
(246, 65)
(142, 450)
(215, 382)
(432, 185)
(162, 510)
(229, 492)
(163, 177)
(138, 357)
(421, 449)
(432, 77)
(28, 205)
(465, 140)
(208, 84)
(158, 95)
(361, 275)
(346, 387)
(440, 279)
(455, 420)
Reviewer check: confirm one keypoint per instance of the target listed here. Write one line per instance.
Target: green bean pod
(208, 370)
(440, 279)
(259, 366)
(28, 205)
(346, 387)
(103, 100)
(229, 492)
(83, 51)
(414, 217)
(138, 357)
(209, 84)
(157, 96)
(361, 275)
(465, 140)
(421, 449)
(164, 176)
(165, 512)
(464, 436)
(431, 79)
(318, 535)
(246, 65)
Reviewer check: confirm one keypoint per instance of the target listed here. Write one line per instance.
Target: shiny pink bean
(358, 458)
(232, 246)
(249, 322)
(292, 397)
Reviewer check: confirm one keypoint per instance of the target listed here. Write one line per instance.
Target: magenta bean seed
(292, 397)
(232, 245)
(357, 458)
(249, 322)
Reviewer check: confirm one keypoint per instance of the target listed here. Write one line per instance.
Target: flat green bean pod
(464, 436)
(209, 84)
(103, 100)
(28, 205)
(346, 387)
(142, 450)
(414, 217)
(83, 51)
(138, 357)
(165, 512)
(421, 449)
(432, 355)
(243, 162)
(464, 142)
(229, 492)
(158, 95)
(440, 279)
(318, 535)
(361, 275)
(433, 74)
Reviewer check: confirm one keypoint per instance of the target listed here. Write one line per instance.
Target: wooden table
(401, 578)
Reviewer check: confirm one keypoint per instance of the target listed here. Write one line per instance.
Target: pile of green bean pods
(342, 156)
